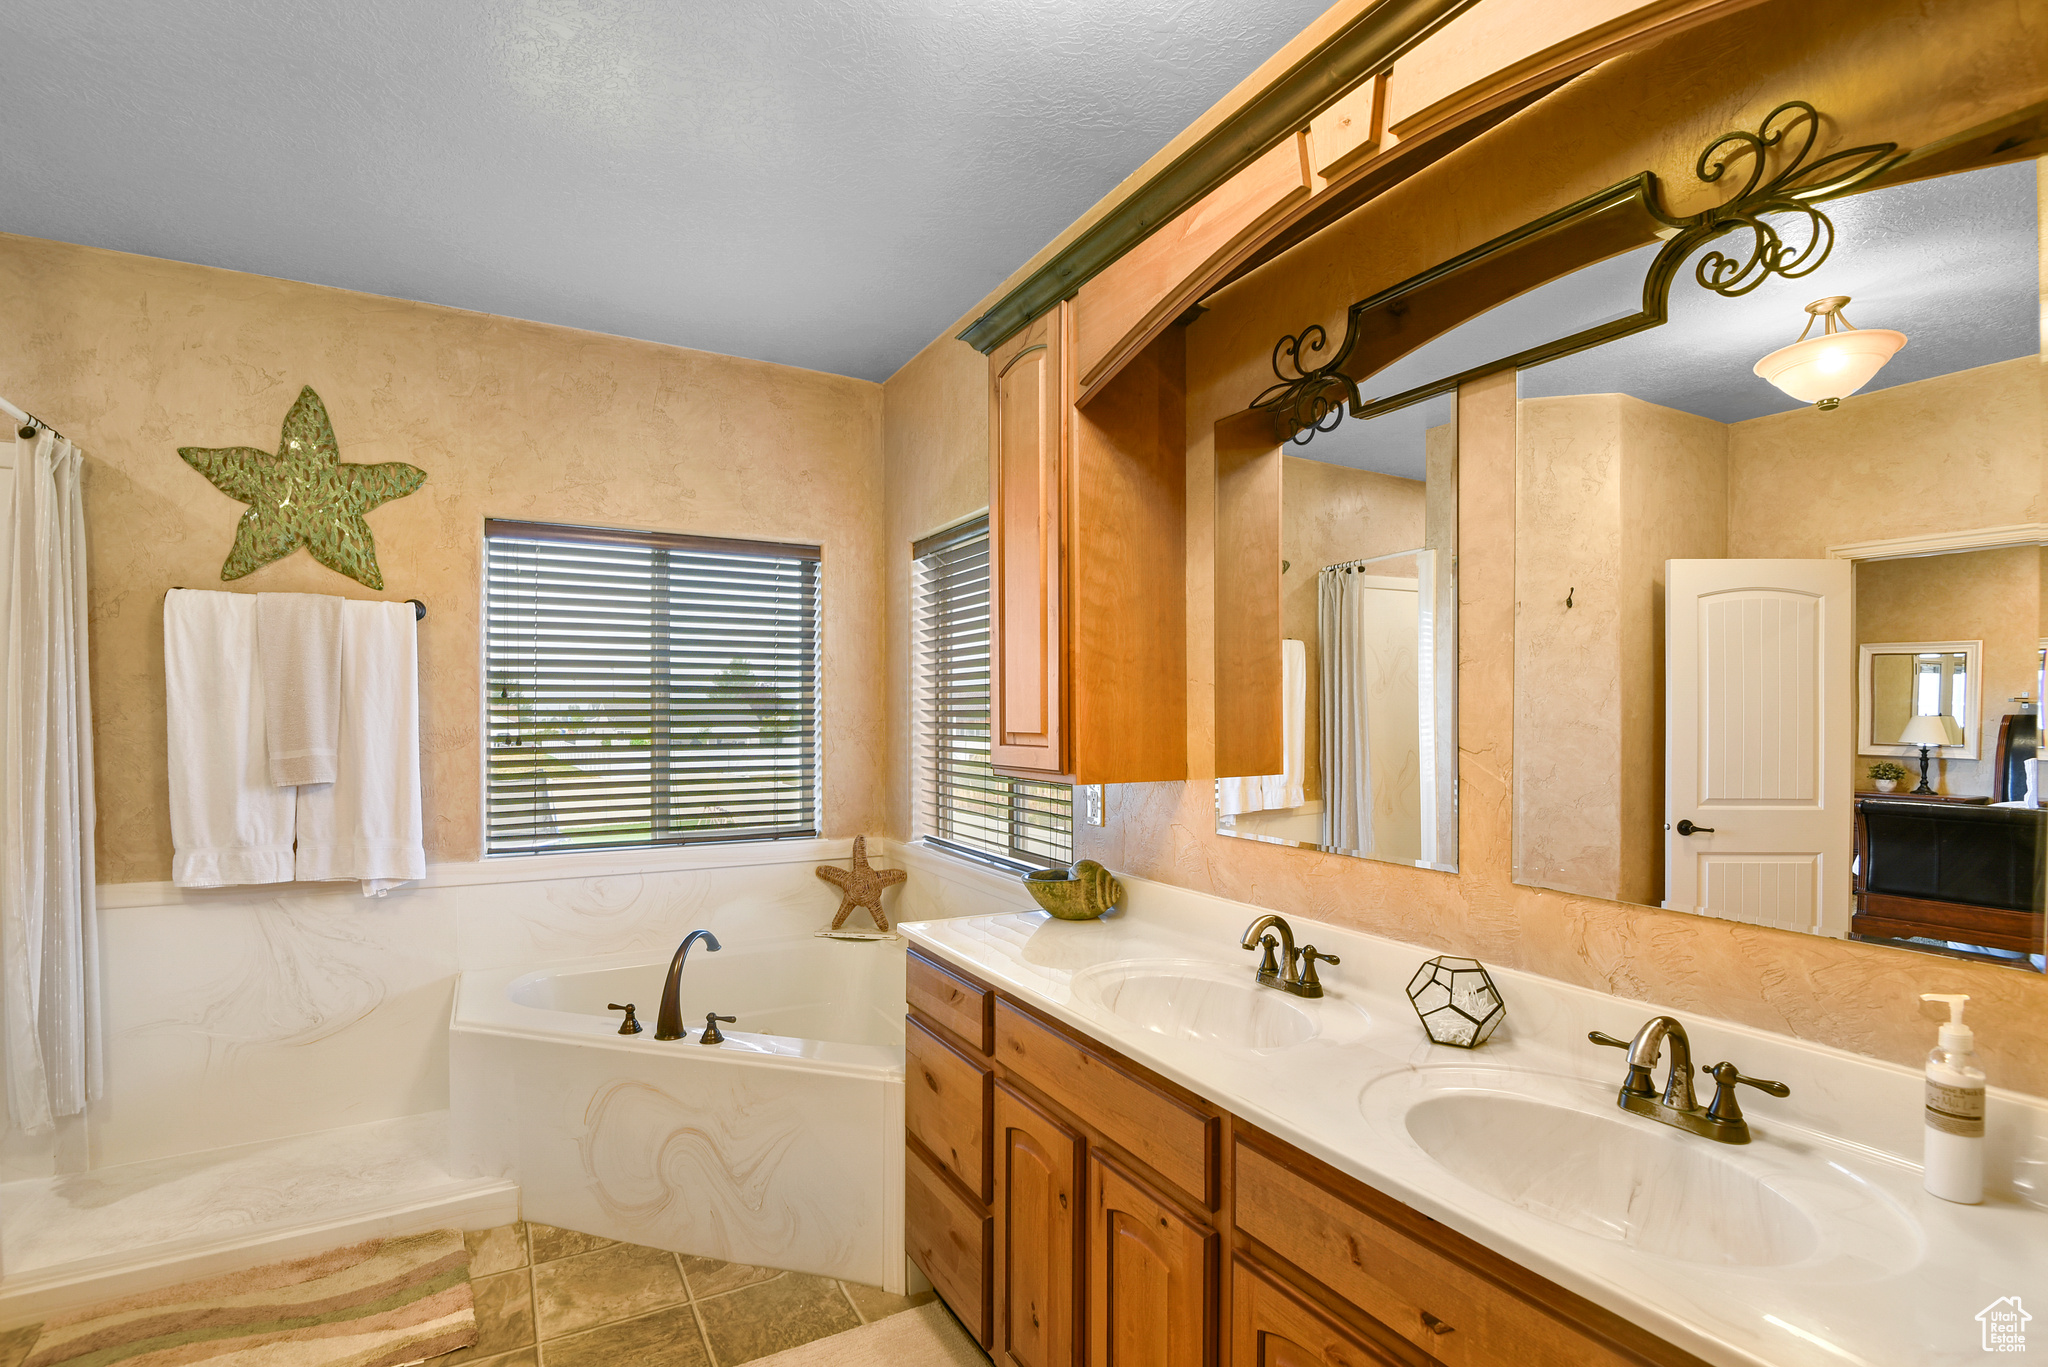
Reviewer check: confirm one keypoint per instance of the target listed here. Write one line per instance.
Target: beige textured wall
(1674, 507)
(1610, 488)
(1989, 596)
(1568, 675)
(935, 473)
(1882, 69)
(1947, 454)
(1330, 514)
(133, 357)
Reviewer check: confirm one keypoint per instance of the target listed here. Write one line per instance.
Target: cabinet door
(1038, 1200)
(1028, 391)
(1149, 1274)
(1272, 1327)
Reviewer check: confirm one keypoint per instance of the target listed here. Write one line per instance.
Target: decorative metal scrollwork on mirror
(1396, 322)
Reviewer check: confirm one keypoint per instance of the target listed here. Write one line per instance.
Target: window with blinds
(966, 806)
(647, 689)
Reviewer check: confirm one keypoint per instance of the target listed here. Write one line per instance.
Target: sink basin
(1669, 1194)
(1193, 1001)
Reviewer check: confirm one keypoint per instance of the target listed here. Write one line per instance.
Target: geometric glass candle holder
(1457, 1001)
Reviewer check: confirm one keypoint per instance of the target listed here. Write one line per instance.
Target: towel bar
(419, 609)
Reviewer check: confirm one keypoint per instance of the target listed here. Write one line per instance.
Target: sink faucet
(669, 1024)
(1678, 1107)
(1286, 975)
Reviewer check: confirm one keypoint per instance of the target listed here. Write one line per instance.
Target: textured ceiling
(824, 183)
(1954, 263)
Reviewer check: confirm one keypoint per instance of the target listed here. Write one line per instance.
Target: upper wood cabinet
(1027, 425)
(1087, 562)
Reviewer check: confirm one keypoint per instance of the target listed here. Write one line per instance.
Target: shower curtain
(49, 952)
(1346, 751)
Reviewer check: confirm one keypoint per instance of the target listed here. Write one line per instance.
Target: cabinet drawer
(950, 1240)
(952, 1001)
(946, 1101)
(1433, 1301)
(1273, 1327)
(1177, 1141)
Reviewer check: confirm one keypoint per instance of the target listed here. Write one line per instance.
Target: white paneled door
(1758, 731)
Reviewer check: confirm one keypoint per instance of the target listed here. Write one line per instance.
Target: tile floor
(548, 1297)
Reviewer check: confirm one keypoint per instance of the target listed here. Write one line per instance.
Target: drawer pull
(1435, 1325)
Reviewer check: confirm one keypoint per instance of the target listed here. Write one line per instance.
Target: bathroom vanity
(1121, 1147)
(1071, 1206)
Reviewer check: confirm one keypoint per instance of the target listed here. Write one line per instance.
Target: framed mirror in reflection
(1735, 596)
(1367, 741)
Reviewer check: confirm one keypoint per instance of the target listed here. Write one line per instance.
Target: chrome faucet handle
(711, 1033)
(628, 1026)
(1724, 1107)
(1638, 1082)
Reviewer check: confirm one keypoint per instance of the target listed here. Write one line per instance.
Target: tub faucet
(669, 1023)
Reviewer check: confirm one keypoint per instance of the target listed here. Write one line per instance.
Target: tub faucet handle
(628, 1026)
(711, 1035)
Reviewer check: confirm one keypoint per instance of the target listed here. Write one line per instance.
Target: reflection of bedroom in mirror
(1368, 746)
(1750, 609)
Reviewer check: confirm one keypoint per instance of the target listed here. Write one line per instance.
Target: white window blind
(967, 807)
(648, 689)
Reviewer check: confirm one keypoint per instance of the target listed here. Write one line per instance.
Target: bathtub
(782, 1146)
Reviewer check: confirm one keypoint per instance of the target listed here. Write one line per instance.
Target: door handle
(1687, 828)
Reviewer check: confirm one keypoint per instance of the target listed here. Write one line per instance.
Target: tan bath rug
(925, 1337)
(375, 1304)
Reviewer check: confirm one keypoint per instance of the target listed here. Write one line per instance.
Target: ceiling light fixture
(1835, 364)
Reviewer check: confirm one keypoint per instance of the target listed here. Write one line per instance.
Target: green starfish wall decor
(303, 496)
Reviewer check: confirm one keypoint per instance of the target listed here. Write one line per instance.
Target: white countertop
(1898, 1277)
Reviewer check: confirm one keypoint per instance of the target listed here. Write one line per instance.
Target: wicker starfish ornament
(860, 886)
(303, 496)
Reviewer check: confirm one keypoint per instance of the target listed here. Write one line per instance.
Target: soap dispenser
(1955, 1109)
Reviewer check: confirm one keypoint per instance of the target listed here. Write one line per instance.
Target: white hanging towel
(298, 639)
(367, 823)
(229, 822)
(1276, 792)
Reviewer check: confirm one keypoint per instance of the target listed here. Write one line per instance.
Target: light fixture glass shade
(1925, 731)
(1830, 367)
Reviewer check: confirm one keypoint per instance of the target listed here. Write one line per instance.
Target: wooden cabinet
(1274, 1327)
(946, 1099)
(1027, 423)
(1170, 1137)
(951, 1238)
(1123, 1221)
(1151, 1277)
(1087, 562)
(944, 997)
(1038, 1219)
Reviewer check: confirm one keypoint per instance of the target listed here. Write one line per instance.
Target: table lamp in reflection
(1929, 733)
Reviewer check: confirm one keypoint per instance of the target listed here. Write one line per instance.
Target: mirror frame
(1382, 328)
(1973, 724)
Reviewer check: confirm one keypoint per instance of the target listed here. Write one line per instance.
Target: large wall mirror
(1748, 616)
(1367, 630)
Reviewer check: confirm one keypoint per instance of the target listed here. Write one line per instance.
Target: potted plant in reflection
(1886, 775)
